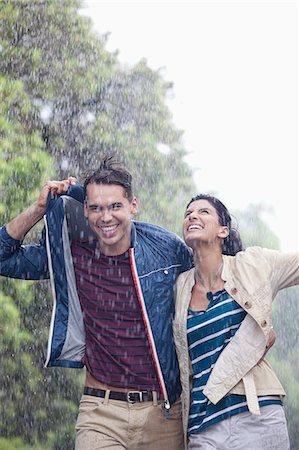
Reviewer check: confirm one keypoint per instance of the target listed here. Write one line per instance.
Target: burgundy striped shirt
(117, 348)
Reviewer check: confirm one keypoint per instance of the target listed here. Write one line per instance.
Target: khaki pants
(245, 431)
(115, 425)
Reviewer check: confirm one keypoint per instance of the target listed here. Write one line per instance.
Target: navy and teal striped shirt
(208, 334)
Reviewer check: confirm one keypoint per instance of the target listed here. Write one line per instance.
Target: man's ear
(134, 206)
(85, 209)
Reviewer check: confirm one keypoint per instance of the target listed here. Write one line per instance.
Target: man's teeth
(108, 229)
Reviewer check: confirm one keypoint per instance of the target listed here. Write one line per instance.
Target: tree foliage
(28, 393)
(65, 101)
(284, 356)
(87, 104)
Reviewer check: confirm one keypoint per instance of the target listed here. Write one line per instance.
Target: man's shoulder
(161, 243)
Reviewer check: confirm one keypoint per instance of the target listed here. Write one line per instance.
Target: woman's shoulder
(257, 256)
(185, 277)
(255, 252)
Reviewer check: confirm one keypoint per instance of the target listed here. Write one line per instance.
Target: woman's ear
(224, 232)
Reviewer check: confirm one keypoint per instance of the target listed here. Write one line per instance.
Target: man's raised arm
(29, 262)
(22, 224)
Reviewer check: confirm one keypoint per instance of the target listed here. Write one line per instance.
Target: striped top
(117, 348)
(208, 334)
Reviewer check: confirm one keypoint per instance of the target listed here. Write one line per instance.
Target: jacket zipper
(149, 332)
(52, 283)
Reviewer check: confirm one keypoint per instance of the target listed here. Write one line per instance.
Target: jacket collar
(225, 269)
(134, 241)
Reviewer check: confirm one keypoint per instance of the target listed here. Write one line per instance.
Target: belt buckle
(140, 393)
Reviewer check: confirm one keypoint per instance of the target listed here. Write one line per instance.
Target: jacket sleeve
(77, 192)
(28, 262)
(284, 269)
(185, 256)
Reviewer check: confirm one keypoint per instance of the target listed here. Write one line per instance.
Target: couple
(112, 281)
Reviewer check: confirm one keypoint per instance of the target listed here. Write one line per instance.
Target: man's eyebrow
(97, 205)
(92, 204)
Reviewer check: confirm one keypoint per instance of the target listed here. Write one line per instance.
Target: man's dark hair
(111, 172)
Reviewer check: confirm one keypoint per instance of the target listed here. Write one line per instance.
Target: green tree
(253, 228)
(65, 101)
(284, 356)
(24, 166)
(89, 104)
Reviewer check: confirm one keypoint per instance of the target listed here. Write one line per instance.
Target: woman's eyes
(200, 211)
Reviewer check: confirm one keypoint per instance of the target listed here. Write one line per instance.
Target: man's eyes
(115, 206)
(98, 209)
(94, 208)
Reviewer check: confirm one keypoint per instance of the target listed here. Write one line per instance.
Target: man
(112, 282)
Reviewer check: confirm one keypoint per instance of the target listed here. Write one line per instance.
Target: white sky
(234, 65)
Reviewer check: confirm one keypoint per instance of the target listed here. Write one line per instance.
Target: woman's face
(201, 224)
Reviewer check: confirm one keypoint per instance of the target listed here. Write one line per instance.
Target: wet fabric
(117, 349)
(208, 334)
(253, 278)
(119, 425)
(246, 431)
(157, 258)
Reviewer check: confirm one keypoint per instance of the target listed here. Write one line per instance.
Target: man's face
(109, 213)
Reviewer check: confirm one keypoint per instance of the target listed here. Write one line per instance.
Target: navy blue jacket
(157, 257)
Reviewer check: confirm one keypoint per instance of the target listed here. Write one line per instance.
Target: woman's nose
(192, 215)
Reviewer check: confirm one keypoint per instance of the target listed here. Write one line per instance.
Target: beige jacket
(253, 278)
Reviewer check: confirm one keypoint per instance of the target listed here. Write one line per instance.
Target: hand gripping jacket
(157, 257)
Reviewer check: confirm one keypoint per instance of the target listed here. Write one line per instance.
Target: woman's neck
(207, 261)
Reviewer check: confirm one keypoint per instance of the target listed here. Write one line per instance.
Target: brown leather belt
(130, 397)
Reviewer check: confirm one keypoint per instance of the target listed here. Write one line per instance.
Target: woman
(221, 327)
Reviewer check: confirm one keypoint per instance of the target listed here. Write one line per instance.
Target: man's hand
(20, 225)
(54, 188)
(271, 341)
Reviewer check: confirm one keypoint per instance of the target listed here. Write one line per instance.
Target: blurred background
(192, 96)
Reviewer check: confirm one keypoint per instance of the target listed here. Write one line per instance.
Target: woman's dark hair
(110, 172)
(232, 244)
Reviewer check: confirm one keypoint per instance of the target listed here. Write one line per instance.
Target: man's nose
(106, 215)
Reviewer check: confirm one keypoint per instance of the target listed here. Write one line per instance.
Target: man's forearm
(20, 225)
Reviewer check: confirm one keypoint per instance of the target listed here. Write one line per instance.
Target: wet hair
(232, 244)
(110, 171)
